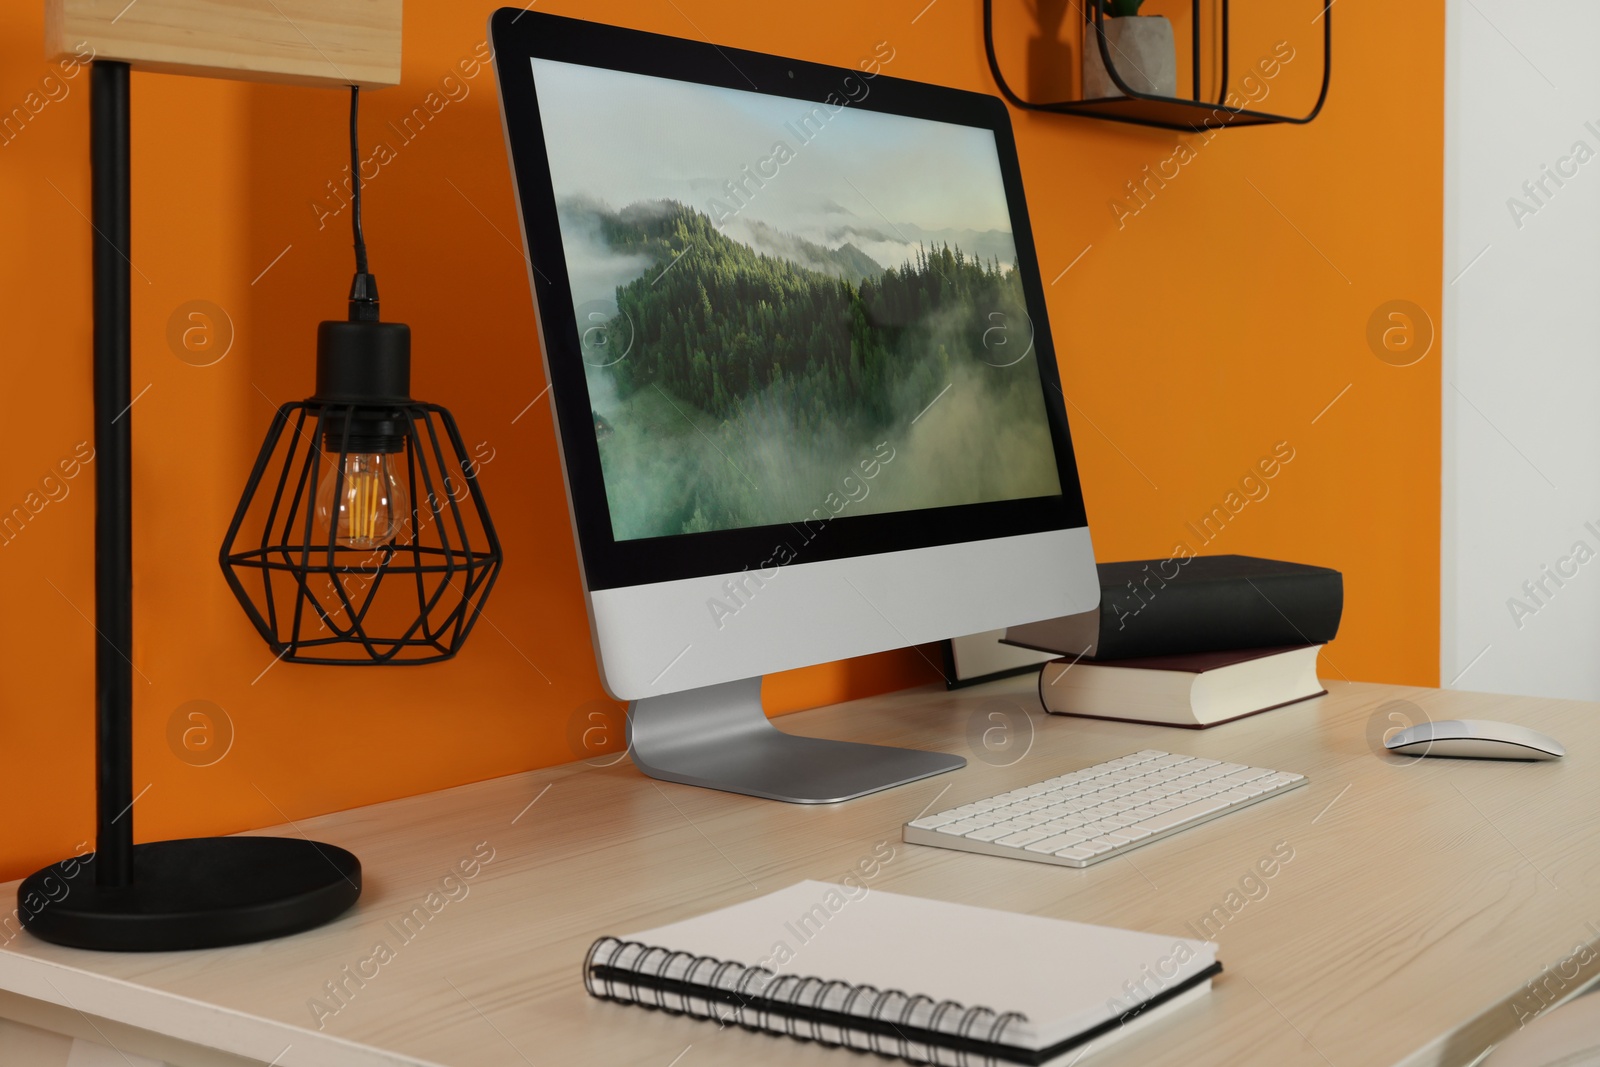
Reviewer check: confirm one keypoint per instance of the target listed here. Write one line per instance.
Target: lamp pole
(113, 444)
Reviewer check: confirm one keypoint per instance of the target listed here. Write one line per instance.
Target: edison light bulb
(372, 502)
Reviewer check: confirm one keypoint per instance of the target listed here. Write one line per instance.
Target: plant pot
(1143, 52)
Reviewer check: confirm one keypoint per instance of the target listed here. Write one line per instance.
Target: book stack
(1190, 642)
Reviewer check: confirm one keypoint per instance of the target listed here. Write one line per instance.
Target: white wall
(1521, 347)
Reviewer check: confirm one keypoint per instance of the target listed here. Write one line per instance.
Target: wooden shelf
(306, 42)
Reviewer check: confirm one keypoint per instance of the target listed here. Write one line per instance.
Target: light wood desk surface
(1422, 899)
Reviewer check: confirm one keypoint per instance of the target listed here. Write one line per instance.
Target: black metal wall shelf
(1192, 115)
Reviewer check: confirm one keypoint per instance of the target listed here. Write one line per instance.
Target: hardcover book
(1167, 607)
(1196, 690)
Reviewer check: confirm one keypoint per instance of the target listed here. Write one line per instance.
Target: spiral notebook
(924, 980)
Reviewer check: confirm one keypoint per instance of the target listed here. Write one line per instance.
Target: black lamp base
(198, 892)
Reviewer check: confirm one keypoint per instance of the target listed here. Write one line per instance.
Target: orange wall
(1195, 335)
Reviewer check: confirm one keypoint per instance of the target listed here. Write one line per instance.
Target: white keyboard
(1101, 811)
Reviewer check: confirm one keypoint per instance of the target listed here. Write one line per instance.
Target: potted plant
(1141, 47)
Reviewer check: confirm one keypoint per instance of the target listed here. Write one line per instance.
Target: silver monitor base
(719, 738)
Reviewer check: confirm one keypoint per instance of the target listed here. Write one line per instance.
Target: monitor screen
(789, 309)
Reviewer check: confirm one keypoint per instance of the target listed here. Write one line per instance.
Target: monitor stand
(720, 738)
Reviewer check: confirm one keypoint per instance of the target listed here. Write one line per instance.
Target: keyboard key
(1051, 845)
(989, 833)
(1076, 852)
(1178, 816)
(962, 827)
(931, 822)
(1017, 840)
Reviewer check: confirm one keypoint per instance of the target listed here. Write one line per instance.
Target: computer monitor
(803, 383)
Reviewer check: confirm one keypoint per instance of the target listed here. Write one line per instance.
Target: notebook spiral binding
(759, 999)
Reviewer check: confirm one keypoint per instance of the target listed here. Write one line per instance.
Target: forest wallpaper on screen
(734, 388)
(757, 336)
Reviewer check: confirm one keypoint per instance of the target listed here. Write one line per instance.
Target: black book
(1173, 607)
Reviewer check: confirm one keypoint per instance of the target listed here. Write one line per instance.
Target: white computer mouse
(1474, 739)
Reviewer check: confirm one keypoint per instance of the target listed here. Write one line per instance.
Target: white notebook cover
(1066, 977)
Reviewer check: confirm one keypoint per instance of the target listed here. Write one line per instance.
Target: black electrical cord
(355, 181)
(364, 287)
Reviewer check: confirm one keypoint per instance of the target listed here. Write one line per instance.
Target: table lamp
(194, 892)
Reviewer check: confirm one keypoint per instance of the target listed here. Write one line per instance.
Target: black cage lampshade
(362, 536)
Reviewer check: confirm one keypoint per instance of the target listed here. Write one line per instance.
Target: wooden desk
(1421, 901)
